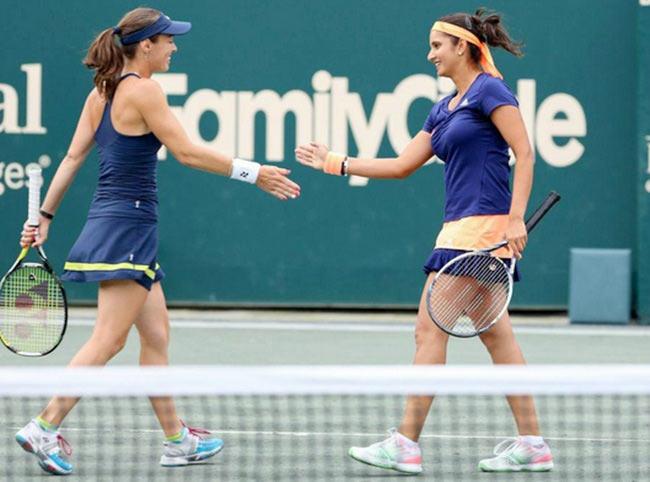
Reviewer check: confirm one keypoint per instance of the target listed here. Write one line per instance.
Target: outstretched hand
(274, 180)
(312, 155)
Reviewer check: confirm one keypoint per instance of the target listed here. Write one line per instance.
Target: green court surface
(284, 445)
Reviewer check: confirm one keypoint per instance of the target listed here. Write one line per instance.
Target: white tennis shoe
(516, 455)
(395, 453)
(196, 445)
(51, 449)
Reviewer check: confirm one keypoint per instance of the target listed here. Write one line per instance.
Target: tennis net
(297, 422)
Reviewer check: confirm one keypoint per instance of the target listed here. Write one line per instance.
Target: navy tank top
(127, 184)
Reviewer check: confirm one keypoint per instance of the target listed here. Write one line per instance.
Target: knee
(427, 333)
(118, 346)
(157, 339)
(493, 339)
(111, 346)
(488, 339)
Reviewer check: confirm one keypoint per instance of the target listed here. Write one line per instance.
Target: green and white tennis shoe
(395, 453)
(519, 455)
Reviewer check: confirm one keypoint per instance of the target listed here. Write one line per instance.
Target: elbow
(525, 156)
(402, 168)
(73, 159)
(186, 161)
(402, 172)
(189, 155)
(184, 158)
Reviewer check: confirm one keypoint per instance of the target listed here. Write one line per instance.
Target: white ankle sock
(532, 439)
(407, 441)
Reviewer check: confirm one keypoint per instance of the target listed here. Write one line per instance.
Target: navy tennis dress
(477, 171)
(120, 237)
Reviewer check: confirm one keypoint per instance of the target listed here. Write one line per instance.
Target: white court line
(631, 331)
(363, 434)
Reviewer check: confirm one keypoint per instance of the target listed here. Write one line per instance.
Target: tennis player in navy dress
(471, 131)
(120, 238)
(127, 116)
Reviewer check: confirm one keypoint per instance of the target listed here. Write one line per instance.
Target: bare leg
(153, 326)
(504, 349)
(118, 304)
(430, 349)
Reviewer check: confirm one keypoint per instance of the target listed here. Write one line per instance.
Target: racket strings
(470, 294)
(477, 313)
(32, 310)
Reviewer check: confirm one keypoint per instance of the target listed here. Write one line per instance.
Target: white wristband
(245, 171)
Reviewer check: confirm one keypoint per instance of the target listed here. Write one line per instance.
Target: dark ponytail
(106, 54)
(495, 33)
(488, 28)
(107, 59)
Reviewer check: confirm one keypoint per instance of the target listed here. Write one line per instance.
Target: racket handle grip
(35, 182)
(541, 211)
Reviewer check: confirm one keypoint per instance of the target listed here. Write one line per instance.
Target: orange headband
(486, 57)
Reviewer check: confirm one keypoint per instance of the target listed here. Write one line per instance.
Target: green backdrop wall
(643, 143)
(253, 78)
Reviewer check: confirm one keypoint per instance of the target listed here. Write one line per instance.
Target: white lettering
(34, 88)
(9, 106)
(9, 110)
(332, 112)
(223, 106)
(406, 92)
(549, 126)
(368, 135)
(275, 109)
(14, 175)
(339, 130)
(322, 83)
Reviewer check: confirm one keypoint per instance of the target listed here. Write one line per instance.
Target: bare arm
(415, 154)
(508, 121)
(82, 142)
(151, 102)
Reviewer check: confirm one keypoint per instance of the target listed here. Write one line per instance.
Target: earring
(460, 53)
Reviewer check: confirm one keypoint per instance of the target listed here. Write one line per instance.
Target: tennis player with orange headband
(470, 131)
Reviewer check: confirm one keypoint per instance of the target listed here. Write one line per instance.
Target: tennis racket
(33, 305)
(472, 291)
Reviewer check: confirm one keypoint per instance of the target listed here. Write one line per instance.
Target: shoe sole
(545, 467)
(47, 467)
(396, 467)
(182, 462)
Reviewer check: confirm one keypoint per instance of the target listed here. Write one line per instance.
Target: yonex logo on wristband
(245, 171)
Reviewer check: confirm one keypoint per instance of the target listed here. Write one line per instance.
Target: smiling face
(444, 53)
(160, 52)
